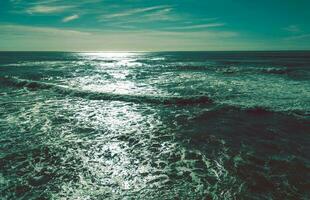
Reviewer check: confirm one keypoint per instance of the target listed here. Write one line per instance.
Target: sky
(154, 25)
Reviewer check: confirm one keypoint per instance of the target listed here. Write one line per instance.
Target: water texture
(155, 125)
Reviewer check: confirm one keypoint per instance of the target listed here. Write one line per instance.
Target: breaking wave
(92, 95)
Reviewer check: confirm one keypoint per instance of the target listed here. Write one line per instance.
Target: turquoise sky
(154, 25)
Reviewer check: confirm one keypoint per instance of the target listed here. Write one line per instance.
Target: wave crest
(65, 90)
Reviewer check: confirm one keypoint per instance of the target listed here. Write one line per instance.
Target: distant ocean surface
(161, 125)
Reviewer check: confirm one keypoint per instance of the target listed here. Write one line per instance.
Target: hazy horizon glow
(123, 25)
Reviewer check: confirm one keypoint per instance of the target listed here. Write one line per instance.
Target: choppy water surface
(203, 125)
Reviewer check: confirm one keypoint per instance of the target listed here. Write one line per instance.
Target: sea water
(154, 125)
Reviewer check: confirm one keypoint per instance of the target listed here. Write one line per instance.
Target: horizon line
(129, 51)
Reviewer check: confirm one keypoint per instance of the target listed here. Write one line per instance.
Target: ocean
(155, 125)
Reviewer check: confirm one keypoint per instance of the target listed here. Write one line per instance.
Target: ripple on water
(87, 148)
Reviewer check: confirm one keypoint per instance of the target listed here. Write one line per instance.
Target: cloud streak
(298, 37)
(131, 12)
(198, 26)
(70, 18)
(21, 30)
(292, 29)
(41, 9)
(46, 38)
(48, 7)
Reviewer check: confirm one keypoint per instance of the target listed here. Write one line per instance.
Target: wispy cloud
(131, 12)
(296, 33)
(70, 18)
(41, 9)
(18, 30)
(54, 6)
(53, 2)
(198, 26)
(161, 15)
(45, 38)
(298, 37)
(292, 29)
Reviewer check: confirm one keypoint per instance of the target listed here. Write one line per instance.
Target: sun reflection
(109, 55)
(113, 157)
(113, 73)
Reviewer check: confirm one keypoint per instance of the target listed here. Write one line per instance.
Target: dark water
(186, 125)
